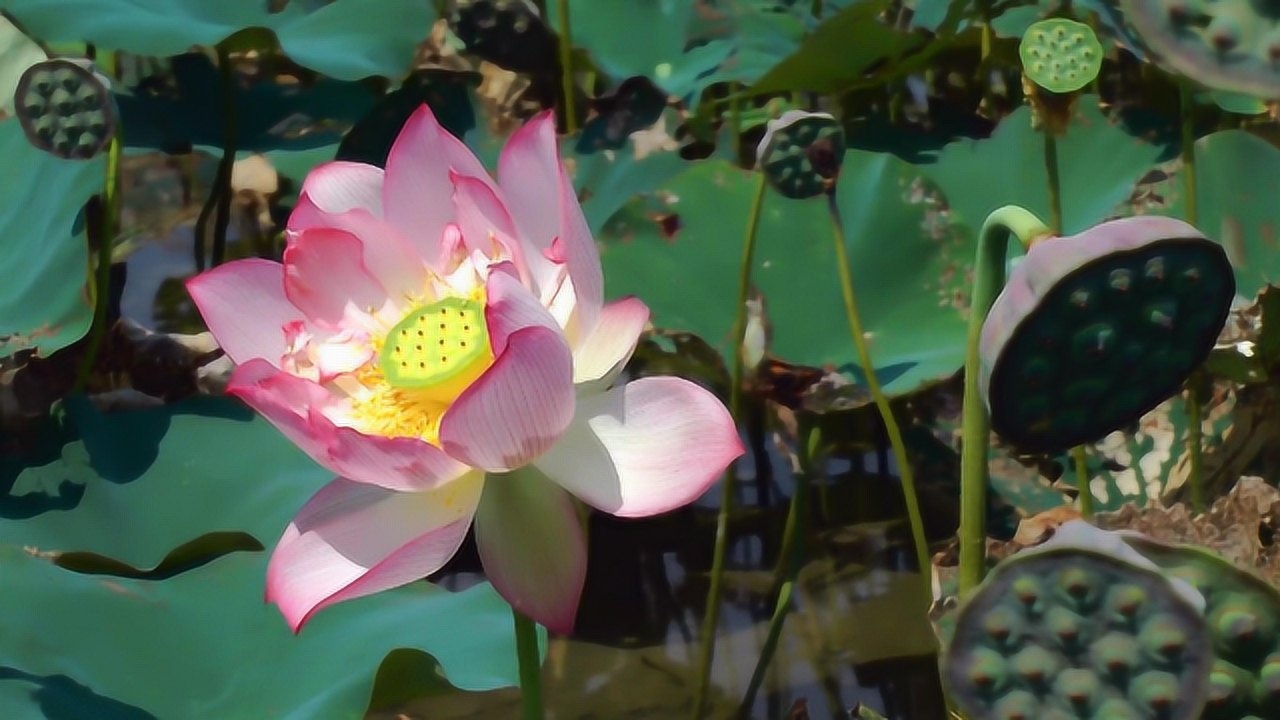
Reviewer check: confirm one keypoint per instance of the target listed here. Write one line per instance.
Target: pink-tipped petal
(338, 186)
(518, 408)
(532, 546)
(601, 355)
(353, 539)
(511, 307)
(545, 206)
(325, 276)
(415, 195)
(484, 220)
(644, 448)
(244, 305)
(386, 253)
(301, 410)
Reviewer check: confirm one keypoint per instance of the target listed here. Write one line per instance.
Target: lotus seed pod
(1156, 692)
(1079, 689)
(1036, 667)
(65, 108)
(1165, 641)
(1118, 709)
(1005, 627)
(1069, 629)
(801, 153)
(1078, 613)
(1125, 602)
(1029, 594)
(1240, 612)
(1266, 689)
(1018, 705)
(1231, 45)
(1241, 626)
(1116, 655)
(1079, 589)
(1059, 347)
(1230, 692)
(988, 672)
(1060, 55)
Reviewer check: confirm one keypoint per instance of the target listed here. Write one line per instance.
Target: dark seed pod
(65, 109)
(801, 153)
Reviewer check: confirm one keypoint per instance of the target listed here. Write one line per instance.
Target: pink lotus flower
(440, 341)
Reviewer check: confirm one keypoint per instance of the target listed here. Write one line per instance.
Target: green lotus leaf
(131, 486)
(343, 40)
(44, 297)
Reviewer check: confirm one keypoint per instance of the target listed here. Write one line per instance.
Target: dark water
(857, 631)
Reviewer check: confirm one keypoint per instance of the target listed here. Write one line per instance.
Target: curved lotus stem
(988, 278)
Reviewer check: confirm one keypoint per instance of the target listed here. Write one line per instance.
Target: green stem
(905, 471)
(227, 163)
(530, 666)
(1195, 414)
(1055, 182)
(792, 559)
(988, 278)
(566, 66)
(107, 233)
(711, 616)
(735, 121)
(1195, 439)
(1082, 481)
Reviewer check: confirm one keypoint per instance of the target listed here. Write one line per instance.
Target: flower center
(424, 363)
(437, 350)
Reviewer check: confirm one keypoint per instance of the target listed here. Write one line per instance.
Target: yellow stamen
(423, 364)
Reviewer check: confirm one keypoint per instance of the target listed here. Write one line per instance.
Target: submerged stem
(530, 666)
(106, 232)
(565, 32)
(988, 278)
(793, 545)
(711, 616)
(1195, 432)
(905, 471)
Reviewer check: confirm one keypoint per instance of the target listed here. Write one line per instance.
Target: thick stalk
(566, 66)
(793, 546)
(905, 472)
(1195, 440)
(106, 232)
(711, 616)
(988, 278)
(1055, 183)
(1055, 224)
(530, 666)
(222, 219)
(1082, 481)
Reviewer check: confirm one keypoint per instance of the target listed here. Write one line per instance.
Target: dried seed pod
(65, 108)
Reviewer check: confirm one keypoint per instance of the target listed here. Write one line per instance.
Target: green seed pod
(801, 153)
(1060, 55)
(1079, 613)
